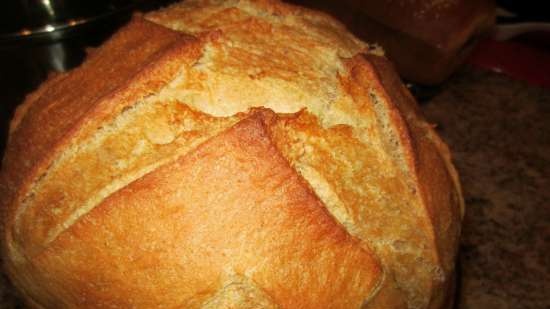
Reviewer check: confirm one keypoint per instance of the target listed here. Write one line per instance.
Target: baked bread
(229, 154)
(425, 39)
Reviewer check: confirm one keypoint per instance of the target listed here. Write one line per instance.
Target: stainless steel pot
(54, 19)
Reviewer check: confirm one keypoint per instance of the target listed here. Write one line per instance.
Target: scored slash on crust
(353, 134)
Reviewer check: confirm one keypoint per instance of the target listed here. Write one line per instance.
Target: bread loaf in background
(229, 154)
(427, 40)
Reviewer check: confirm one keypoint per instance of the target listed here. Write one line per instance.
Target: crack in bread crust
(182, 197)
(81, 112)
(149, 135)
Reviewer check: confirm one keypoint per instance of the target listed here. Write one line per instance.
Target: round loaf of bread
(229, 154)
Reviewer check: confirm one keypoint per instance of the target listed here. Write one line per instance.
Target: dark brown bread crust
(444, 24)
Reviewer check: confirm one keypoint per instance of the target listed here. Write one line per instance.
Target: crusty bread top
(358, 157)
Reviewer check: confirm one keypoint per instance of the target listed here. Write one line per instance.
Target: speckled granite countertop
(499, 131)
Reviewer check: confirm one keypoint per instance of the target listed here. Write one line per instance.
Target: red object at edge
(515, 59)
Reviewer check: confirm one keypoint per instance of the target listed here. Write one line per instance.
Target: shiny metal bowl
(54, 19)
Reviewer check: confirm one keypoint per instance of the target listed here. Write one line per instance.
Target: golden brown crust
(245, 195)
(59, 105)
(431, 157)
(270, 161)
(433, 174)
(77, 104)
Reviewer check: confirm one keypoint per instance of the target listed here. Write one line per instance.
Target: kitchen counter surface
(499, 131)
